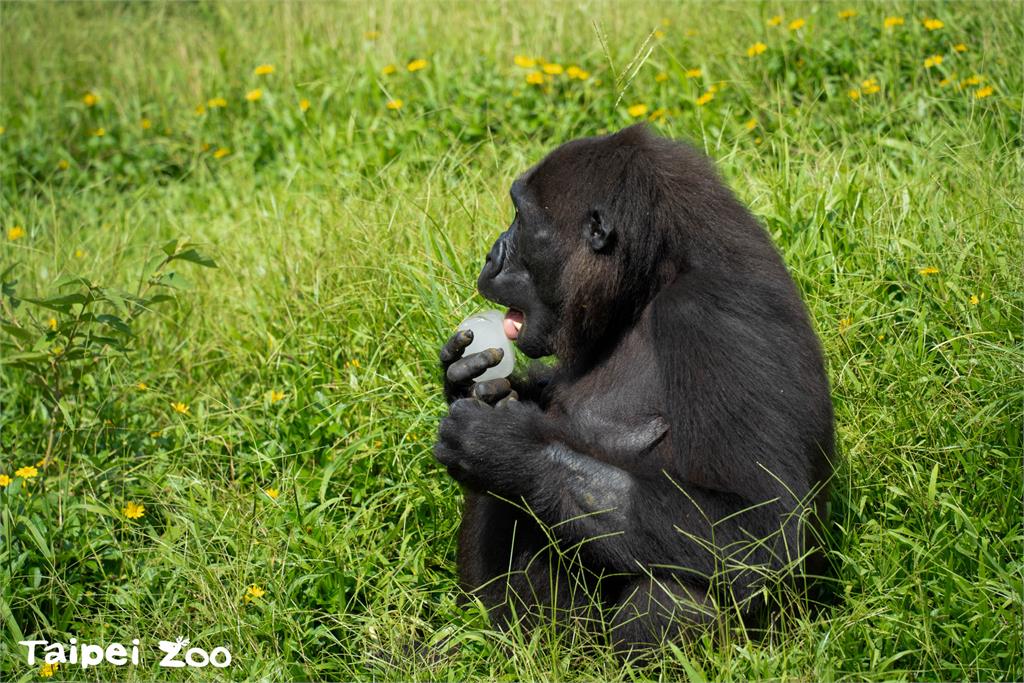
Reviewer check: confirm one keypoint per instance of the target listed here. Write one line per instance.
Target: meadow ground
(248, 462)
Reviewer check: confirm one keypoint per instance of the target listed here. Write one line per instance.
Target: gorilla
(673, 460)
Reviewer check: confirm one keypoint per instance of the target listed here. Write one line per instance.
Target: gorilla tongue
(512, 323)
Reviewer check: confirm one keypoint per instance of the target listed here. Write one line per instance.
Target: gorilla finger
(512, 397)
(491, 391)
(465, 369)
(456, 344)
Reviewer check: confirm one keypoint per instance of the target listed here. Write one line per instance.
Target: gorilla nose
(495, 259)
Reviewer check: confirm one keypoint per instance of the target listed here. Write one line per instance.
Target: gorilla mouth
(513, 322)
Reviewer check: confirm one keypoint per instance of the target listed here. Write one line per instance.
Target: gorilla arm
(624, 518)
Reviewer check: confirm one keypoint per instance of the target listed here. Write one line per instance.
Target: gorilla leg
(653, 611)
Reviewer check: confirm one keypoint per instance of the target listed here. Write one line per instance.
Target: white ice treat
(489, 333)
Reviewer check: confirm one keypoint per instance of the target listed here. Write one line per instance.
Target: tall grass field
(235, 234)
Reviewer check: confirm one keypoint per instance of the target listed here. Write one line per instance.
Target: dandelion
(844, 325)
(15, 232)
(394, 105)
(27, 472)
(971, 80)
(892, 21)
(145, 124)
(960, 47)
(133, 511)
(417, 64)
(200, 110)
(389, 69)
(637, 110)
(180, 408)
(854, 94)
(933, 24)
(928, 270)
(155, 434)
(695, 73)
(751, 124)
(48, 670)
(254, 592)
(665, 21)
(524, 61)
(79, 253)
(275, 395)
(254, 95)
(535, 78)
(775, 21)
(99, 132)
(870, 86)
(934, 60)
(355, 362)
(946, 81)
(303, 105)
(797, 24)
(756, 49)
(578, 73)
(90, 99)
(982, 93)
(847, 14)
(221, 152)
(552, 69)
(142, 386)
(657, 114)
(661, 77)
(272, 493)
(371, 35)
(216, 103)
(264, 70)
(4, 480)
(2, 130)
(974, 302)
(705, 98)
(658, 35)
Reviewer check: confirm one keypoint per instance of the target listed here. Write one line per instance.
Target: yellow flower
(264, 70)
(960, 47)
(552, 69)
(946, 81)
(417, 64)
(389, 69)
(797, 24)
(661, 77)
(972, 80)
(371, 35)
(665, 21)
(657, 114)
(854, 94)
(658, 35)
(756, 49)
(4, 480)
(933, 24)
(892, 21)
(982, 93)
(142, 386)
(844, 325)
(276, 395)
(134, 510)
(90, 99)
(928, 270)
(705, 98)
(870, 86)
(775, 21)
(216, 102)
(79, 253)
(355, 362)
(15, 232)
(221, 152)
(637, 110)
(27, 472)
(155, 434)
(934, 60)
(535, 78)
(394, 105)
(847, 14)
(48, 670)
(272, 493)
(2, 130)
(99, 132)
(63, 165)
(303, 105)
(694, 73)
(751, 124)
(205, 147)
(254, 95)
(524, 61)
(52, 324)
(200, 110)
(180, 407)
(254, 592)
(146, 124)
(974, 302)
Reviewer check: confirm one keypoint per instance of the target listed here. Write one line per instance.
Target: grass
(347, 238)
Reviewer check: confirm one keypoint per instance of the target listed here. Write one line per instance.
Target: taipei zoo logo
(175, 654)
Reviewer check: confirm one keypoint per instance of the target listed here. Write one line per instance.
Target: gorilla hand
(482, 445)
(459, 371)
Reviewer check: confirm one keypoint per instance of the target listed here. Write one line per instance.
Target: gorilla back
(673, 457)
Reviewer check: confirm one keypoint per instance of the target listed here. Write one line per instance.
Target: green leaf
(933, 483)
(173, 280)
(18, 332)
(171, 247)
(195, 257)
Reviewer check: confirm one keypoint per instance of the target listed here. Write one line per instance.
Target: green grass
(347, 239)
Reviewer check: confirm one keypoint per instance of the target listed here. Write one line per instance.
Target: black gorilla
(683, 438)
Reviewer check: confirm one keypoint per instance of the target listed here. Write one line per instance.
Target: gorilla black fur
(683, 438)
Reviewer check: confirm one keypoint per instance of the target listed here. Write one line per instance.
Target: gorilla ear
(597, 232)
